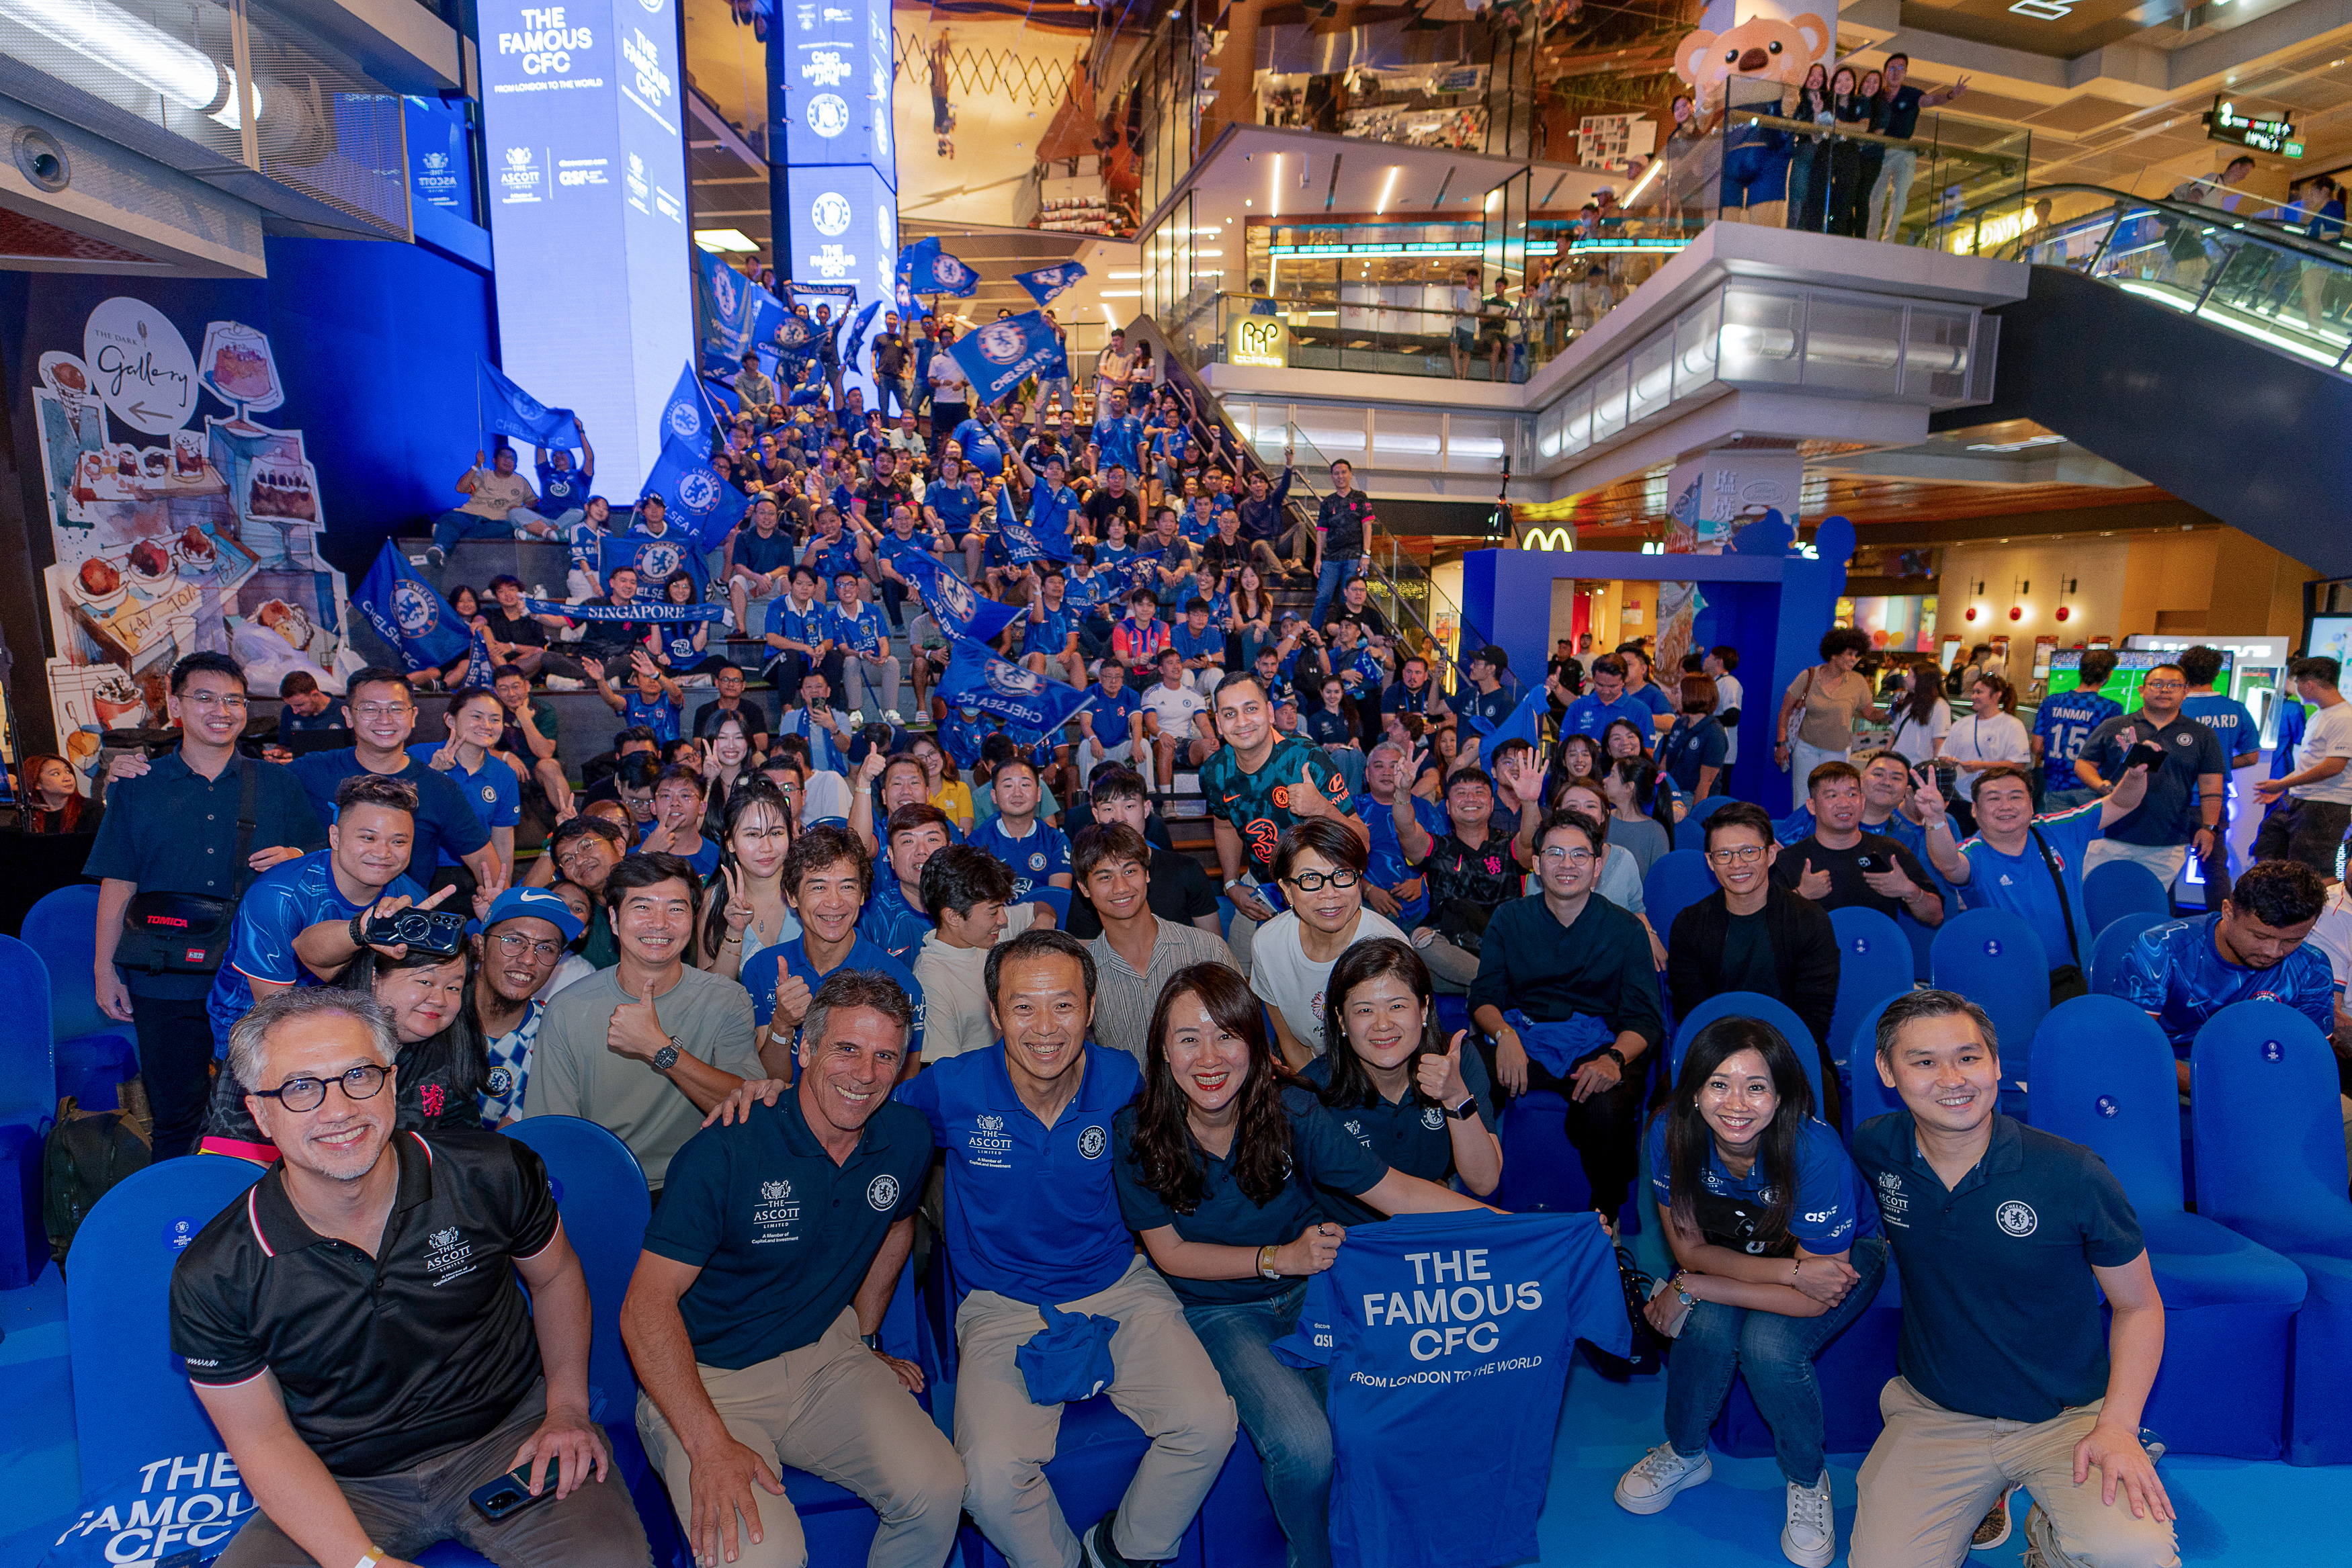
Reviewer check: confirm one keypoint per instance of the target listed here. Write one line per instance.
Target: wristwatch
(1467, 1111)
(667, 1057)
(1615, 1055)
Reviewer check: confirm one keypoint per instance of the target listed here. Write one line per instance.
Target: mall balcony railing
(2280, 275)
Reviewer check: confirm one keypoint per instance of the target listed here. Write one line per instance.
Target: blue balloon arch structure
(1771, 604)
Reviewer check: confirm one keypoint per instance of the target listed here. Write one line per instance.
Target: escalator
(2205, 351)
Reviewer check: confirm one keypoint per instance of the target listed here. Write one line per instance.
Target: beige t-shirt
(573, 1072)
(1827, 721)
(495, 493)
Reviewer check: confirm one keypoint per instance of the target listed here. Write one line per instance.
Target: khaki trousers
(833, 1409)
(1165, 1385)
(1934, 1472)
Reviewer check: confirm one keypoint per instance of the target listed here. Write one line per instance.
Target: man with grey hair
(2006, 1237)
(765, 1275)
(354, 1328)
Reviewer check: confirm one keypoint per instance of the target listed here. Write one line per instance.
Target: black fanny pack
(188, 932)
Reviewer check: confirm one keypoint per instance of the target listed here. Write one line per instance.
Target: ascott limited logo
(520, 176)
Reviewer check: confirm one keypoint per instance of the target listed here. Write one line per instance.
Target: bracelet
(1265, 1269)
(1796, 1267)
(374, 1555)
(358, 940)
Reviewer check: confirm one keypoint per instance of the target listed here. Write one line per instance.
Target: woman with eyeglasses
(437, 1077)
(1777, 1247)
(1320, 867)
(1225, 1171)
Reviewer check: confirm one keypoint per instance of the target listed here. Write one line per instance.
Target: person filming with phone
(355, 1328)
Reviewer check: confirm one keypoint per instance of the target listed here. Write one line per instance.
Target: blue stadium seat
(2270, 1166)
(1752, 1005)
(1540, 1167)
(601, 1192)
(95, 1055)
(1055, 898)
(1874, 962)
(28, 1103)
(2116, 939)
(1690, 834)
(1868, 1097)
(1677, 879)
(1993, 958)
(2117, 888)
(2103, 1077)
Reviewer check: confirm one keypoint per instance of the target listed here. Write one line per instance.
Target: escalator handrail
(2260, 231)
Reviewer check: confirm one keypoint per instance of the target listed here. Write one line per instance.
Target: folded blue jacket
(1559, 1045)
(1069, 1359)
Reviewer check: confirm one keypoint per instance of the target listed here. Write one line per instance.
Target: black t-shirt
(435, 1086)
(1489, 876)
(1747, 964)
(607, 640)
(711, 716)
(1102, 506)
(1180, 892)
(1871, 852)
(383, 1362)
(522, 628)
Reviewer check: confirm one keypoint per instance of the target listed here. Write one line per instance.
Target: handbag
(188, 932)
(2067, 981)
(1647, 1351)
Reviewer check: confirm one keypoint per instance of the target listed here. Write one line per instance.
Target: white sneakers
(1810, 1537)
(564, 684)
(1662, 1473)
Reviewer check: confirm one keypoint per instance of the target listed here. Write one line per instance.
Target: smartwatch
(667, 1057)
(1615, 1055)
(1467, 1111)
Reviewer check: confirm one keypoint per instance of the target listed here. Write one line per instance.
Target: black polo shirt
(172, 830)
(1409, 1134)
(384, 1362)
(2001, 1310)
(784, 1236)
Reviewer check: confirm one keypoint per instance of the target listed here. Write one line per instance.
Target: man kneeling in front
(353, 1326)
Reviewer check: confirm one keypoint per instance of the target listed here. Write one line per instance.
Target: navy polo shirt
(1588, 714)
(1112, 710)
(172, 830)
(784, 1236)
(445, 818)
(1408, 1135)
(1494, 706)
(764, 971)
(2170, 812)
(2001, 1310)
(1032, 1212)
(1323, 1157)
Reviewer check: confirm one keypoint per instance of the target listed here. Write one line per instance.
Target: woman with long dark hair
(437, 1074)
(1424, 1105)
(1777, 1247)
(48, 802)
(1846, 214)
(746, 911)
(1221, 1167)
(1640, 810)
(1693, 752)
(1809, 161)
(1921, 718)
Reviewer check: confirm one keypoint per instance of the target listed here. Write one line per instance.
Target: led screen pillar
(834, 196)
(587, 201)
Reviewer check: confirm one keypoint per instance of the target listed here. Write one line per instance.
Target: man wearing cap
(524, 935)
(1484, 697)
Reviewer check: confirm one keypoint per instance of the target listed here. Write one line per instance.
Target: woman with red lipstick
(1222, 1163)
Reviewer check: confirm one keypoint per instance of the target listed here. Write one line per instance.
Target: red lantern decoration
(2017, 612)
(1972, 612)
(2063, 612)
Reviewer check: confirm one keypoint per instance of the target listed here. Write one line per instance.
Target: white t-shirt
(2000, 739)
(1728, 694)
(2328, 732)
(1175, 708)
(2332, 934)
(1292, 984)
(1915, 742)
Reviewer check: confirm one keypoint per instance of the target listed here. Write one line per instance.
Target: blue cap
(537, 903)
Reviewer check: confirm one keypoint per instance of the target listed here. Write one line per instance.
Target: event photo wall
(200, 463)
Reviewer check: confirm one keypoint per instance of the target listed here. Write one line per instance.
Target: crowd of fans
(801, 966)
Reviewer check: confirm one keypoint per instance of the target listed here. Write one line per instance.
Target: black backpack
(86, 1154)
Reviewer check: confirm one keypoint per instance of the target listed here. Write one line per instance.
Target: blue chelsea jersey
(2064, 722)
(2176, 972)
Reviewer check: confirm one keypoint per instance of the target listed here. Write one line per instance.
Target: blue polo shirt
(764, 971)
(1323, 1157)
(1388, 865)
(2001, 1310)
(492, 791)
(1112, 710)
(655, 713)
(1209, 642)
(1409, 1134)
(1051, 511)
(954, 506)
(444, 817)
(1829, 1216)
(1033, 1211)
(2064, 722)
(2022, 884)
(784, 1236)
(2170, 812)
(759, 554)
(1326, 728)
(830, 560)
(1402, 698)
(170, 829)
(1041, 855)
(1494, 706)
(283, 902)
(962, 733)
(1050, 633)
(2174, 972)
(862, 632)
(888, 921)
(1588, 714)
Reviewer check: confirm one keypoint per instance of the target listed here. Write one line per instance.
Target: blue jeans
(1776, 1355)
(1281, 1407)
(451, 527)
(1327, 583)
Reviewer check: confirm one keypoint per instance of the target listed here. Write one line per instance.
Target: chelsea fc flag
(700, 502)
(979, 680)
(1001, 355)
(408, 613)
(1048, 283)
(507, 410)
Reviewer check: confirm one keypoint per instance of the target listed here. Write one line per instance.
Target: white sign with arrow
(139, 364)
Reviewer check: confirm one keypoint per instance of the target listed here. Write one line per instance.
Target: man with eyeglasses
(526, 933)
(1567, 1000)
(2182, 807)
(584, 851)
(176, 830)
(355, 1328)
(1755, 934)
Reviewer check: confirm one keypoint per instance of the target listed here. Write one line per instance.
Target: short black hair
(503, 671)
(375, 790)
(823, 845)
(1726, 655)
(584, 826)
(1103, 841)
(644, 869)
(294, 686)
(1595, 829)
(2279, 894)
(2097, 665)
(1468, 776)
(2200, 664)
(1739, 815)
(2318, 668)
(374, 675)
(1038, 942)
(639, 771)
(1116, 781)
(960, 877)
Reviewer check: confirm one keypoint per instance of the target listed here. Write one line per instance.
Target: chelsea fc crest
(1001, 342)
(1011, 679)
(882, 1193)
(412, 609)
(1093, 1141)
(659, 560)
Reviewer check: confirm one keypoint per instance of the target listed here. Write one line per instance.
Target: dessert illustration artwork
(279, 490)
(240, 373)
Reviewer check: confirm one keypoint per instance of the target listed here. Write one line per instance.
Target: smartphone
(510, 1493)
(2146, 754)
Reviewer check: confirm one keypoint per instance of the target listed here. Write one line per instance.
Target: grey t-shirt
(574, 1072)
